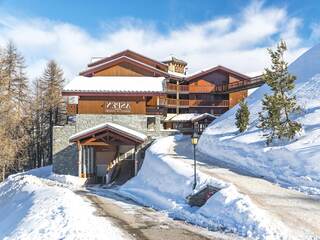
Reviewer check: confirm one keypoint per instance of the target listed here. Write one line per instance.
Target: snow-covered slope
(295, 163)
(36, 208)
(165, 180)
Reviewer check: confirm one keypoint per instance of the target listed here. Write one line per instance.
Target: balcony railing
(241, 85)
(175, 102)
(209, 103)
(201, 89)
(171, 87)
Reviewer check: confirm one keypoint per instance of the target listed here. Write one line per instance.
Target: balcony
(240, 85)
(171, 87)
(174, 102)
(208, 103)
(201, 89)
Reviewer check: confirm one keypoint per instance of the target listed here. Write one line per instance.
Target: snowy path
(144, 223)
(296, 210)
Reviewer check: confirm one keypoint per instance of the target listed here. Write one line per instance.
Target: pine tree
(242, 116)
(51, 83)
(277, 108)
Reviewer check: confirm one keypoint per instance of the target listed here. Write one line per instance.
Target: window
(151, 123)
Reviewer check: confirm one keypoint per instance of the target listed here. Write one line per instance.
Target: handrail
(173, 87)
(226, 87)
(179, 102)
(215, 103)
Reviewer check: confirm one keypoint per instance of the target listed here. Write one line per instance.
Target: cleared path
(144, 223)
(299, 212)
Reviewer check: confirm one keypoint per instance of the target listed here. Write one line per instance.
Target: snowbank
(35, 208)
(292, 164)
(165, 181)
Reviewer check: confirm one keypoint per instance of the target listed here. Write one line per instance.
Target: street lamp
(194, 142)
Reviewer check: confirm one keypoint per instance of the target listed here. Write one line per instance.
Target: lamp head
(194, 138)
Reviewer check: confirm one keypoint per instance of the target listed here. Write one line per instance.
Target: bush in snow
(242, 116)
(275, 116)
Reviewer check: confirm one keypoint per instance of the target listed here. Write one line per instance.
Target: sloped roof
(115, 84)
(203, 116)
(188, 117)
(131, 54)
(104, 65)
(216, 68)
(108, 126)
(182, 117)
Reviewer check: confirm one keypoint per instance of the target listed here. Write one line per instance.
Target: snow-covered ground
(292, 164)
(165, 180)
(32, 207)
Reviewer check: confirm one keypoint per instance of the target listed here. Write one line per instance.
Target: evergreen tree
(242, 116)
(51, 83)
(275, 118)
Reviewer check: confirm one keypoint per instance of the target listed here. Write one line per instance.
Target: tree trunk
(50, 136)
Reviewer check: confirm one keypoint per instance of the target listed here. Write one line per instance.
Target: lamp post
(194, 142)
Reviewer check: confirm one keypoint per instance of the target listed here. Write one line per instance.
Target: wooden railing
(241, 85)
(209, 103)
(201, 89)
(171, 87)
(175, 102)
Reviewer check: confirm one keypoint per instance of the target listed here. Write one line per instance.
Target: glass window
(151, 123)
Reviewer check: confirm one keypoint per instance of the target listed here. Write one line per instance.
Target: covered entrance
(108, 153)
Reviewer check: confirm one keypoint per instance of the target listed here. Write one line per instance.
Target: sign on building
(117, 107)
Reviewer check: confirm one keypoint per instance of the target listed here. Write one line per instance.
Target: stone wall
(65, 155)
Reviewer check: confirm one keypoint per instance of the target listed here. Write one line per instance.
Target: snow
(203, 116)
(182, 75)
(115, 84)
(117, 127)
(183, 117)
(32, 207)
(226, 210)
(293, 164)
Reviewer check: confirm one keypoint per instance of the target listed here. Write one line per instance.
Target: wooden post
(178, 97)
(80, 159)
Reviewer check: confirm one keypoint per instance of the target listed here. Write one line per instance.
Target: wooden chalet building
(118, 103)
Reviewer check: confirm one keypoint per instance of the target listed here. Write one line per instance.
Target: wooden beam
(85, 142)
(79, 159)
(122, 139)
(97, 144)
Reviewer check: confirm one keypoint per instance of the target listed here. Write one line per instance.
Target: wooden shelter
(105, 147)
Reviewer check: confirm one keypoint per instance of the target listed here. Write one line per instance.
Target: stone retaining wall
(65, 155)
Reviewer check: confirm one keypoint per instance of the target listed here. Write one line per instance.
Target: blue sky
(204, 33)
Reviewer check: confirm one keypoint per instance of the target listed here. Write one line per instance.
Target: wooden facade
(214, 91)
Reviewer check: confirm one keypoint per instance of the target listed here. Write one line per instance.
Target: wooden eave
(157, 73)
(103, 135)
(133, 55)
(111, 94)
(218, 68)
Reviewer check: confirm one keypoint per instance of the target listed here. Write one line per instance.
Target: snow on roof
(109, 125)
(115, 84)
(183, 117)
(176, 74)
(202, 116)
